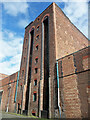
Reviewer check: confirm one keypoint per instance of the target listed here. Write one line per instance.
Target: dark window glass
(37, 37)
(36, 47)
(34, 96)
(36, 70)
(36, 60)
(38, 28)
(35, 82)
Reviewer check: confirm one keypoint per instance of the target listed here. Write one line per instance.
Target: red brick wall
(64, 39)
(35, 105)
(2, 76)
(7, 82)
(68, 38)
(73, 83)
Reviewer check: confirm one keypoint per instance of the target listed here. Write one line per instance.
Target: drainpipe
(16, 91)
(58, 89)
(8, 97)
(16, 87)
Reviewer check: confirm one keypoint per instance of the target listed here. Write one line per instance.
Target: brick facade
(49, 38)
(63, 39)
(73, 80)
(8, 89)
(2, 76)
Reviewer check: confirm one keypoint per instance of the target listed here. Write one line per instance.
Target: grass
(30, 116)
(19, 114)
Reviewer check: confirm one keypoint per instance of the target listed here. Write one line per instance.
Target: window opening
(30, 68)
(36, 70)
(35, 82)
(36, 60)
(34, 97)
(26, 40)
(37, 37)
(36, 47)
(22, 73)
(24, 59)
(38, 28)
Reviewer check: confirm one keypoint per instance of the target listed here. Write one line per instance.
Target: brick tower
(49, 37)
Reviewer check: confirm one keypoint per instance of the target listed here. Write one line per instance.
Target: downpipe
(58, 89)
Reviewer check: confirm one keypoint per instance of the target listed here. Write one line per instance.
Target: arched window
(36, 47)
(36, 70)
(36, 60)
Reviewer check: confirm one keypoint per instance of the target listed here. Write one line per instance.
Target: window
(20, 88)
(24, 59)
(37, 37)
(26, 40)
(36, 47)
(35, 82)
(25, 50)
(36, 60)
(22, 73)
(33, 113)
(34, 96)
(38, 19)
(36, 70)
(37, 28)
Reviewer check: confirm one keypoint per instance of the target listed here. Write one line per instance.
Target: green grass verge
(30, 116)
(19, 114)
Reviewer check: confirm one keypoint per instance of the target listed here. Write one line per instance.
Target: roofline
(40, 14)
(9, 75)
(71, 22)
(72, 53)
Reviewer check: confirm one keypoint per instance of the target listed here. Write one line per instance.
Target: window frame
(35, 82)
(35, 96)
(36, 70)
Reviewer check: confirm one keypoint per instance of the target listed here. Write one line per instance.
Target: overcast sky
(16, 15)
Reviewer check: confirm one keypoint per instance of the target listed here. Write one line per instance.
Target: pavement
(10, 116)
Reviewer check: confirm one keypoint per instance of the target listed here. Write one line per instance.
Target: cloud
(10, 52)
(12, 66)
(23, 23)
(77, 12)
(14, 8)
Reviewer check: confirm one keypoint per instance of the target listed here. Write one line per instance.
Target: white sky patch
(14, 8)
(77, 12)
(23, 23)
(10, 49)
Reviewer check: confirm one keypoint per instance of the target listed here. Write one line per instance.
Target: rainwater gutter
(16, 87)
(58, 89)
(16, 91)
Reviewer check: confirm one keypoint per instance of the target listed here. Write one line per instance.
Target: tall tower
(49, 37)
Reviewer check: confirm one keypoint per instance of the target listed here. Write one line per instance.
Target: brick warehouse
(53, 78)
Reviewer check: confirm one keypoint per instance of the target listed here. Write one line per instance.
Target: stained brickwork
(51, 37)
(8, 88)
(68, 38)
(2, 76)
(63, 39)
(74, 84)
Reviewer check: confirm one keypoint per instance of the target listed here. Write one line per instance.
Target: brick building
(53, 77)
(2, 76)
(8, 93)
(74, 83)
(49, 37)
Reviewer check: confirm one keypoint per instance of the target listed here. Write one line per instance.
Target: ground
(10, 116)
